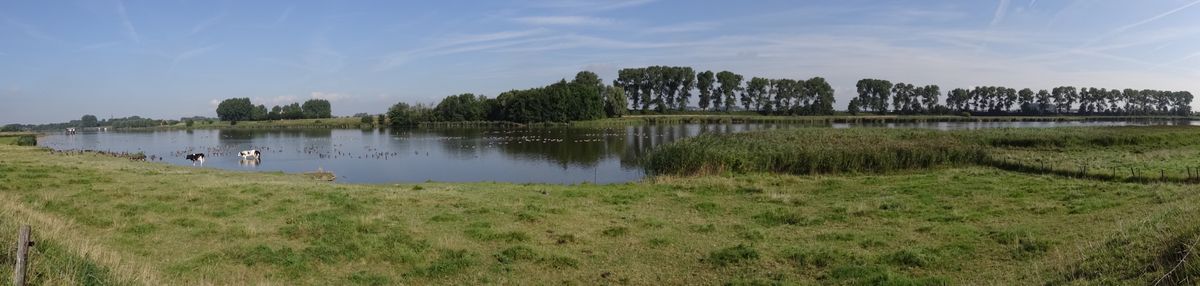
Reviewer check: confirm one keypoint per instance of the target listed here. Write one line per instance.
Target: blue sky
(167, 59)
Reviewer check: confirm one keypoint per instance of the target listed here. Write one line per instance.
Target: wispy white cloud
(682, 28)
(456, 44)
(1122, 29)
(30, 30)
(330, 96)
(572, 41)
(283, 17)
(274, 101)
(192, 53)
(1001, 11)
(98, 46)
(207, 23)
(130, 30)
(564, 21)
(593, 5)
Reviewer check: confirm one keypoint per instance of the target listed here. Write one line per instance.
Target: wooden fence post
(23, 244)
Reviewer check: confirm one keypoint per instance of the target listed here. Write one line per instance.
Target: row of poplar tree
(881, 96)
(662, 88)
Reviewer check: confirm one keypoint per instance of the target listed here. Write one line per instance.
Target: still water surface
(548, 155)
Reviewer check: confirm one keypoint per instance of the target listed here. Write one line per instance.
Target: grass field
(117, 221)
(11, 138)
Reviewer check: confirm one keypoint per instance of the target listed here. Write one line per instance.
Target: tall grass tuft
(817, 150)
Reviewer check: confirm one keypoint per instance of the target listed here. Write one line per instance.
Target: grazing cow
(250, 154)
(198, 157)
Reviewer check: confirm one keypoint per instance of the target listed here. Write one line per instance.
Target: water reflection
(250, 162)
(555, 155)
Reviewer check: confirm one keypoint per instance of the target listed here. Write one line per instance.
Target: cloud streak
(456, 44)
(31, 31)
(594, 5)
(207, 23)
(1001, 11)
(283, 17)
(330, 96)
(192, 53)
(1125, 28)
(130, 30)
(564, 21)
(682, 28)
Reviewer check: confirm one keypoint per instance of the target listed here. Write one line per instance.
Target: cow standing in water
(250, 155)
(198, 157)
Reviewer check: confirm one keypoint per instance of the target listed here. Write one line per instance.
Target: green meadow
(806, 206)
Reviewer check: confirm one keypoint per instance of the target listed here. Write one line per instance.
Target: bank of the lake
(672, 118)
(126, 222)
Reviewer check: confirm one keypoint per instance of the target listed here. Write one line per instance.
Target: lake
(541, 154)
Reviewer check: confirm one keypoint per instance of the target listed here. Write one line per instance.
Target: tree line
(241, 109)
(584, 98)
(90, 121)
(874, 94)
(670, 88)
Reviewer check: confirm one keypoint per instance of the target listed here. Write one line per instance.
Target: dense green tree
(235, 109)
(704, 82)
(614, 102)
(1025, 101)
(259, 113)
(317, 108)
(1044, 101)
(820, 93)
(560, 102)
(902, 96)
(687, 78)
(292, 111)
(276, 113)
(463, 107)
(629, 81)
(873, 94)
(730, 85)
(929, 97)
(88, 121)
(959, 100)
(404, 115)
(755, 97)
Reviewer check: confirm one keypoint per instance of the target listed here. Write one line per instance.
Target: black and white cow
(198, 157)
(250, 154)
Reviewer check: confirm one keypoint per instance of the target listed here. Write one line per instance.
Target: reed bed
(807, 151)
(1137, 154)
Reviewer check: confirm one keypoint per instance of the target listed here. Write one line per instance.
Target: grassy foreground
(115, 221)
